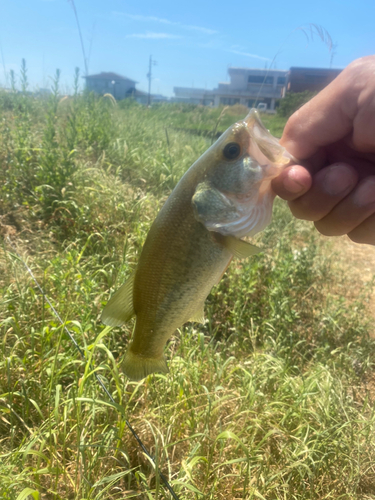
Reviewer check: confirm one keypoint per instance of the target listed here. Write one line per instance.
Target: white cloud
(199, 28)
(144, 18)
(247, 54)
(155, 36)
(161, 20)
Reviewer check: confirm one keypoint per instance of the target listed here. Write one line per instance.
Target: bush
(293, 101)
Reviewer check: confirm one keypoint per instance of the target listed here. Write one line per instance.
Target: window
(315, 78)
(267, 80)
(229, 101)
(281, 80)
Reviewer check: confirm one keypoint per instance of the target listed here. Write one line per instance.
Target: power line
(149, 76)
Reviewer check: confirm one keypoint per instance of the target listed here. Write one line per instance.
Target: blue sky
(193, 42)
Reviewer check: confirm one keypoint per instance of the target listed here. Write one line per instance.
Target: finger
(319, 122)
(292, 182)
(330, 185)
(365, 232)
(350, 212)
(364, 122)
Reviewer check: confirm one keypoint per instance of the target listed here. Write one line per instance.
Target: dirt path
(359, 262)
(360, 258)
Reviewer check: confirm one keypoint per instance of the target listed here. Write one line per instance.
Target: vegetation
(293, 101)
(271, 399)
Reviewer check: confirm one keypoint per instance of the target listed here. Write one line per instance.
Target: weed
(271, 398)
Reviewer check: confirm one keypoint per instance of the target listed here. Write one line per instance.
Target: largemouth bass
(225, 195)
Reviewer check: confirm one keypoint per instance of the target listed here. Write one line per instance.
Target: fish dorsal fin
(198, 316)
(239, 248)
(120, 307)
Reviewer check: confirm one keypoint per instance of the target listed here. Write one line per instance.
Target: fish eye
(232, 150)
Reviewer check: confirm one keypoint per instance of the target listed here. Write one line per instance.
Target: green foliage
(271, 398)
(293, 101)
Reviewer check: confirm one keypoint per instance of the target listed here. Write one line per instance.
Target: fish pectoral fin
(239, 248)
(198, 316)
(120, 307)
(137, 367)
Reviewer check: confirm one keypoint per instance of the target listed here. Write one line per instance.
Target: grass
(271, 399)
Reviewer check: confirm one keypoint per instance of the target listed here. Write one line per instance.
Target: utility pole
(149, 76)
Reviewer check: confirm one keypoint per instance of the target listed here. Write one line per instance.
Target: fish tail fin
(137, 367)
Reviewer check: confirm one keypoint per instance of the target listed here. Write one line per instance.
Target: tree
(293, 101)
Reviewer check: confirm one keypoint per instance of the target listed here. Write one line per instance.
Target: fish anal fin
(120, 307)
(239, 248)
(137, 367)
(198, 316)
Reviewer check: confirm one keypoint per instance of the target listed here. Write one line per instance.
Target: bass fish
(225, 195)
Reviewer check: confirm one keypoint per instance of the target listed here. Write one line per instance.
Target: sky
(193, 43)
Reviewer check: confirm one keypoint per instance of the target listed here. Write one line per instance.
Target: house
(111, 83)
(246, 86)
(258, 87)
(313, 79)
(120, 87)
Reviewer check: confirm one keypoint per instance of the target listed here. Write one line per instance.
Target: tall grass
(272, 398)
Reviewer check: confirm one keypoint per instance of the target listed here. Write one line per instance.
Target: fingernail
(291, 182)
(365, 193)
(338, 179)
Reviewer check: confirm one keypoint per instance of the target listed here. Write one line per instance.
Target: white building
(247, 86)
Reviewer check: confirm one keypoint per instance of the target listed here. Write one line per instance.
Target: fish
(224, 196)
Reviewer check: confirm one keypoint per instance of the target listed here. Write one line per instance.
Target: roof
(263, 70)
(325, 70)
(108, 76)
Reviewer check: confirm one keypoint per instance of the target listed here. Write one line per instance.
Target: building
(120, 87)
(111, 83)
(246, 86)
(258, 87)
(312, 79)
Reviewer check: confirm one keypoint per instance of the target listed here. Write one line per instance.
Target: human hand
(334, 135)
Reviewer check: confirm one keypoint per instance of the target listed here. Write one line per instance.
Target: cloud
(161, 20)
(155, 36)
(247, 54)
(207, 31)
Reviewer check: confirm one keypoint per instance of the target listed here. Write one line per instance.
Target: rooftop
(109, 76)
(264, 70)
(299, 68)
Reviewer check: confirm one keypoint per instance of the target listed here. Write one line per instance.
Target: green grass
(271, 399)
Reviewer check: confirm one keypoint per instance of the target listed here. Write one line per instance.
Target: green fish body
(224, 196)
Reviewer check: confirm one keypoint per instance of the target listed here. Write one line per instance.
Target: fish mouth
(265, 148)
